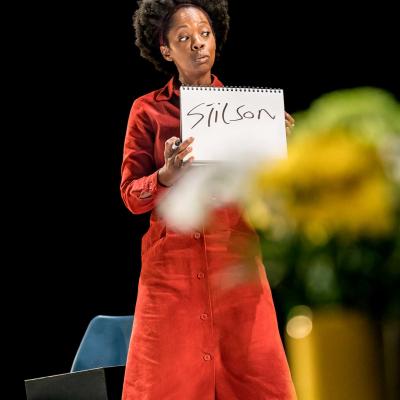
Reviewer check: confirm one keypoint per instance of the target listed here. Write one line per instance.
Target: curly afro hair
(150, 19)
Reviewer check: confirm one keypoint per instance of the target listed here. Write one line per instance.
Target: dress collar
(172, 87)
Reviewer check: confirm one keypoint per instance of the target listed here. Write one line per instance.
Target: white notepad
(231, 122)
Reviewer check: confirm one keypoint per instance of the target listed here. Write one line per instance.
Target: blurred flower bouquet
(329, 215)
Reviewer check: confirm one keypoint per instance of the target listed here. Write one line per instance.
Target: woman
(205, 324)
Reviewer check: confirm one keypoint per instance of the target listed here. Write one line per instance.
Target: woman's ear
(165, 52)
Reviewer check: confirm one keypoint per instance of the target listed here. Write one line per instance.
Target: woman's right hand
(174, 165)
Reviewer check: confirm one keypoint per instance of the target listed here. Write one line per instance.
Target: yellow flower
(331, 183)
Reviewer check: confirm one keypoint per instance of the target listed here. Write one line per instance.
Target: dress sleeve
(139, 187)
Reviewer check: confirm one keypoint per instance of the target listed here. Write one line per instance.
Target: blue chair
(105, 343)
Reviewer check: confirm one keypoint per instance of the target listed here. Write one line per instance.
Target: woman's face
(191, 45)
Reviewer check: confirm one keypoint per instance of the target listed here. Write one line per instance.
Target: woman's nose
(197, 44)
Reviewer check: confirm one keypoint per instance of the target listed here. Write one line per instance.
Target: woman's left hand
(289, 124)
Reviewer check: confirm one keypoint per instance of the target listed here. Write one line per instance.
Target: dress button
(204, 316)
(200, 275)
(207, 357)
(197, 235)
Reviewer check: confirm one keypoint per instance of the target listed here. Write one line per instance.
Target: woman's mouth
(201, 59)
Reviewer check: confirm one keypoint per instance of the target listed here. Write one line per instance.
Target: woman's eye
(205, 33)
(183, 38)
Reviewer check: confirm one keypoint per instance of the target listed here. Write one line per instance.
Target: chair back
(105, 343)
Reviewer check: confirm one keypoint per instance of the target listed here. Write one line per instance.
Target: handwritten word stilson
(215, 115)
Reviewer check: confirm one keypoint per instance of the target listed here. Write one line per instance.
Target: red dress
(205, 326)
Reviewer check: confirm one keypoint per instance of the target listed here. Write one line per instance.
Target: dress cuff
(153, 188)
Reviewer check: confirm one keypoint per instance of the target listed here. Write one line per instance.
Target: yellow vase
(334, 354)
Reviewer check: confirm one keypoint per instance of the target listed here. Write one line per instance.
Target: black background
(77, 250)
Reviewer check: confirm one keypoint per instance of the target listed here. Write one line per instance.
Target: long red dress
(205, 326)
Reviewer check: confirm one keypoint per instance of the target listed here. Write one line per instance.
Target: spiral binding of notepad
(233, 88)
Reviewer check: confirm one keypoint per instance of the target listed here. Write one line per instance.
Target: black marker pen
(176, 144)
